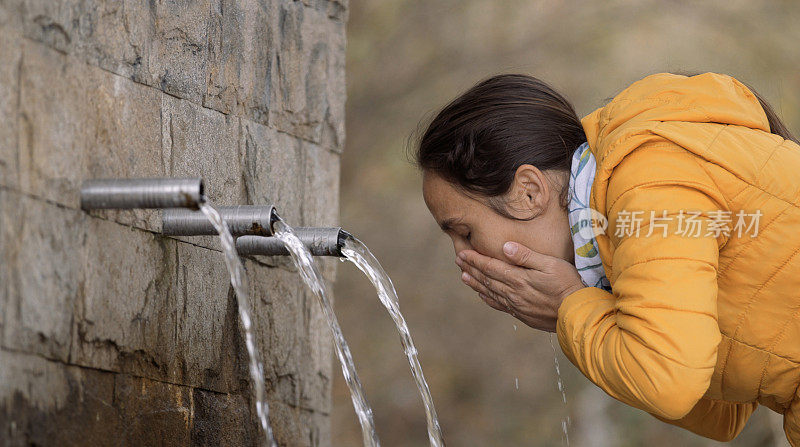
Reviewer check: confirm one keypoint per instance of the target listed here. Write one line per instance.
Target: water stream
(239, 282)
(565, 422)
(308, 270)
(356, 252)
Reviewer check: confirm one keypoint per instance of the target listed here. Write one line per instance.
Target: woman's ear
(529, 191)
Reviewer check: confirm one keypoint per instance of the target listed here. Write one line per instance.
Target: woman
(695, 327)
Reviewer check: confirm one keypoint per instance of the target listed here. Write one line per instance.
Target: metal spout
(320, 241)
(142, 193)
(241, 220)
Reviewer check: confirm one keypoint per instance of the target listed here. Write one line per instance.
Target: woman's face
(472, 224)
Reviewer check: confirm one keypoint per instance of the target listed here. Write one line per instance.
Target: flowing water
(239, 282)
(308, 270)
(356, 252)
(565, 422)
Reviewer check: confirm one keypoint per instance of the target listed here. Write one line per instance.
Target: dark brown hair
(477, 141)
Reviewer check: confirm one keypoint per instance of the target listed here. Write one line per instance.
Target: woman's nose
(460, 244)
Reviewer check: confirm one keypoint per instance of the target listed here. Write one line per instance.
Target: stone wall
(111, 334)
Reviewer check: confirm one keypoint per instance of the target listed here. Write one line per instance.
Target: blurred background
(405, 60)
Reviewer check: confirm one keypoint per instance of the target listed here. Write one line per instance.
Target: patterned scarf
(587, 256)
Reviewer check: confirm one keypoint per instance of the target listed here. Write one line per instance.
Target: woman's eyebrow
(447, 224)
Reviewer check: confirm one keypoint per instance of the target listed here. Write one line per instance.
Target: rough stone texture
(10, 58)
(242, 48)
(111, 334)
(42, 264)
(280, 183)
(160, 43)
(276, 62)
(52, 403)
(310, 73)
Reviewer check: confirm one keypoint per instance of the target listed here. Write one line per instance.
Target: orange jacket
(703, 324)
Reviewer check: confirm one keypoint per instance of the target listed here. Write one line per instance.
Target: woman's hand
(530, 286)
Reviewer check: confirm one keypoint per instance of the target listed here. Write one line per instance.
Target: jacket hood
(666, 97)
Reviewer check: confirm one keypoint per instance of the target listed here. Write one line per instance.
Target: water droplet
(565, 422)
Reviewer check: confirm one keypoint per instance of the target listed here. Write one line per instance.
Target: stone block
(222, 419)
(113, 35)
(10, 12)
(52, 23)
(41, 280)
(41, 383)
(5, 268)
(153, 413)
(335, 9)
(55, 404)
(178, 52)
(241, 58)
(292, 332)
(333, 135)
(126, 320)
(161, 43)
(54, 134)
(298, 427)
(49, 403)
(273, 170)
(198, 142)
(321, 186)
(310, 87)
(10, 58)
(318, 373)
(79, 122)
(210, 351)
(321, 195)
(278, 301)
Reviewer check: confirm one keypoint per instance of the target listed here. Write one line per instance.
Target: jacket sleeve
(652, 342)
(718, 420)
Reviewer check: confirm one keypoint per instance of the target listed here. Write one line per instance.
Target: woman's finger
(496, 287)
(482, 288)
(523, 256)
(499, 301)
(475, 284)
(491, 267)
(493, 303)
